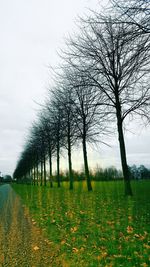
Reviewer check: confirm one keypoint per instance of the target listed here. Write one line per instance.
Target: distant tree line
(102, 81)
(98, 174)
(6, 179)
(107, 174)
(140, 172)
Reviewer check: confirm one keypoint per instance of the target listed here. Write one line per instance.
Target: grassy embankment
(99, 228)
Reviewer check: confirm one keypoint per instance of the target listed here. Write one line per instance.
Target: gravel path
(21, 242)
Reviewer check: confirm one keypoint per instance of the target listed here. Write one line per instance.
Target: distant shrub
(140, 172)
(99, 174)
(107, 174)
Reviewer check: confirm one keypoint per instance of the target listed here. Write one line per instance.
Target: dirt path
(21, 242)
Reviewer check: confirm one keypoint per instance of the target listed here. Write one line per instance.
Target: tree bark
(58, 164)
(69, 158)
(70, 163)
(128, 189)
(37, 170)
(89, 185)
(44, 163)
(50, 167)
(41, 173)
(34, 175)
(30, 175)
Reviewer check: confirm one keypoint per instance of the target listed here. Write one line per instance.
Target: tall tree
(47, 126)
(37, 135)
(88, 119)
(114, 59)
(63, 96)
(54, 112)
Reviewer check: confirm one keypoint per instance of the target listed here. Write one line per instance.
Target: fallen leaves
(82, 212)
(2, 258)
(47, 241)
(146, 246)
(119, 256)
(74, 229)
(102, 256)
(129, 229)
(35, 248)
(63, 242)
(121, 234)
(69, 214)
(144, 264)
(33, 222)
(75, 250)
(93, 229)
(111, 223)
(137, 254)
(140, 237)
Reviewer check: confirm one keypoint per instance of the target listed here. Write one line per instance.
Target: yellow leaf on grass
(82, 212)
(99, 257)
(73, 238)
(33, 221)
(109, 265)
(141, 237)
(36, 248)
(2, 258)
(129, 229)
(110, 222)
(102, 256)
(127, 238)
(146, 246)
(48, 241)
(74, 229)
(137, 236)
(121, 234)
(69, 214)
(75, 250)
(118, 256)
(144, 264)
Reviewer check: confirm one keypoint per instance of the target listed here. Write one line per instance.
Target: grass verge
(99, 228)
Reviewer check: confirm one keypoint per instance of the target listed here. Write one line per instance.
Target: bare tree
(47, 127)
(136, 12)
(63, 96)
(28, 161)
(88, 119)
(115, 60)
(38, 135)
(54, 112)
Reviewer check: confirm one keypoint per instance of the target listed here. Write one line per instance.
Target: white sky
(31, 31)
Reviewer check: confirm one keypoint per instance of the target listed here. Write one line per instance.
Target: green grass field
(99, 228)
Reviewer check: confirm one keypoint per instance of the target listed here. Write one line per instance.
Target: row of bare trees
(103, 80)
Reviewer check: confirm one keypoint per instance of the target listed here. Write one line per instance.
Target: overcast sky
(31, 33)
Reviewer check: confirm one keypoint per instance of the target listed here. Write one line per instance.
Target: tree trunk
(70, 163)
(89, 185)
(41, 173)
(44, 163)
(128, 189)
(30, 175)
(37, 170)
(34, 174)
(58, 163)
(50, 167)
